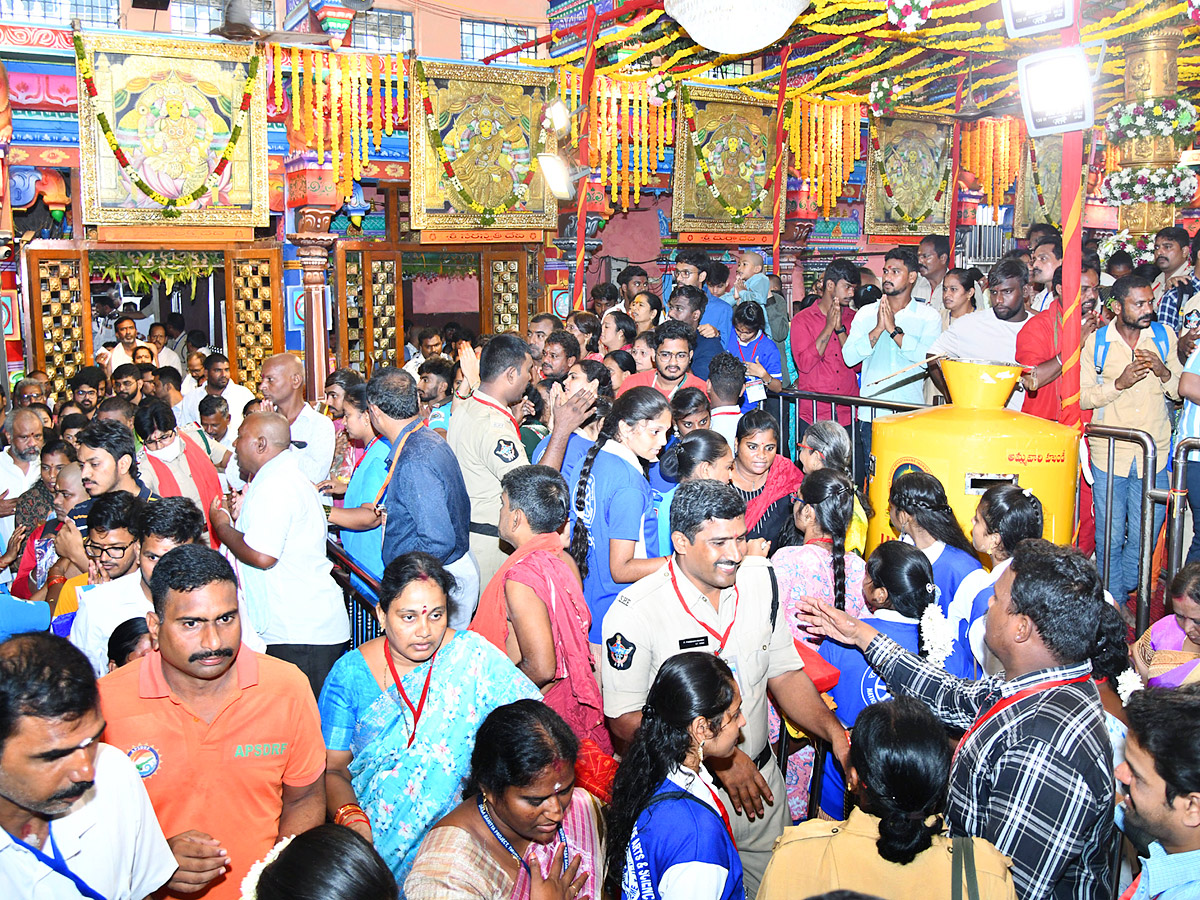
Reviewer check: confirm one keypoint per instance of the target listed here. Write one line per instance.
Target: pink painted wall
(633, 236)
(445, 295)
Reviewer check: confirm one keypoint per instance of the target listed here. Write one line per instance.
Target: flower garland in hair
(171, 205)
(1037, 187)
(912, 220)
(938, 634)
(1129, 683)
(487, 214)
(1152, 118)
(908, 15)
(250, 882)
(1162, 185)
(737, 213)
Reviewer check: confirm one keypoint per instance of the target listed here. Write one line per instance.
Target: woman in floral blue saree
(399, 714)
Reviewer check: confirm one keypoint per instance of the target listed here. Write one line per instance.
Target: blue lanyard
(487, 820)
(59, 865)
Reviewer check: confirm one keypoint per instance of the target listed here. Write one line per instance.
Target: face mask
(169, 453)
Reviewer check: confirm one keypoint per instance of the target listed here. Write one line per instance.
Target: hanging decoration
(376, 106)
(881, 170)
(990, 149)
(1037, 187)
(1158, 185)
(487, 214)
(294, 83)
(662, 88)
(908, 15)
(881, 98)
(277, 75)
(630, 129)
(823, 140)
(1141, 248)
(319, 111)
(171, 205)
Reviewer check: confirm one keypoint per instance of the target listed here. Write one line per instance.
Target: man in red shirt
(1039, 350)
(675, 342)
(818, 333)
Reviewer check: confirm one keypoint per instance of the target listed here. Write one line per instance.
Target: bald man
(282, 387)
(19, 469)
(277, 531)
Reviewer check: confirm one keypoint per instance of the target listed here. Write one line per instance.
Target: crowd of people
(631, 644)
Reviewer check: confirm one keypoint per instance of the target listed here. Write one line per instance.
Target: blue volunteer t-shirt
(858, 687)
(19, 616)
(617, 508)
(366, 547)
(577, 448)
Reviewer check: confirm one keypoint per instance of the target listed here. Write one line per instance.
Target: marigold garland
(294, 83)
(171, 205)
(347, 129)
(277, 75)
(880, 169)
(335, 134)
(487, 214)
(376, 105)
(319, 110)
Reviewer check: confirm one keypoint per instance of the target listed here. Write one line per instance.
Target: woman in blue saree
(399, 714)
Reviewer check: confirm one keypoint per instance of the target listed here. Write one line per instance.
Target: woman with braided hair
(668, 831)
(822, 567)
(920, 511)
(614, 539)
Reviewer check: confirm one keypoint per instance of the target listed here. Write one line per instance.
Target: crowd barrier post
(1177, 507)
(364, 625)
(1150, 495)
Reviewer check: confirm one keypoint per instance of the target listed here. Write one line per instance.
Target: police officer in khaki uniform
(486, 438)
(709, 598)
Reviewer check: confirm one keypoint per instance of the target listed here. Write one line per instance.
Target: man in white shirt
(1046, 257)
(127, 342)
(430, 340)
(55, 771)
(988, 335)
(217, 383)
(158, 528)
(195, 372)
(282, 387)
(726, 381)
(166, 356)
(933, 262)
(279, 538)
(20, 468)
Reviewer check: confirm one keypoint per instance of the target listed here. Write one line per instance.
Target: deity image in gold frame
(171, 105)
(488, 120)
(735, 138)
(916, 153)
(1049, 170)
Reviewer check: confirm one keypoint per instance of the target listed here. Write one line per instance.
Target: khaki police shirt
(487, 447)
(647, 624)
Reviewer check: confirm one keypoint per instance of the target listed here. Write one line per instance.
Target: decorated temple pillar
(313, 241)
(1150, 172)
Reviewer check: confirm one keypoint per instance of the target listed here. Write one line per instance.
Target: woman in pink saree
(1168, 653)
(523, 820)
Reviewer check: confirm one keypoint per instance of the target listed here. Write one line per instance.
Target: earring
(701, 751)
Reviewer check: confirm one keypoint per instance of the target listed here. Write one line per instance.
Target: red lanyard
(1004, 704)
(753, 350)
(358, 462)
(722, 639)
(722, 810)
(415, 710)
(508, 415)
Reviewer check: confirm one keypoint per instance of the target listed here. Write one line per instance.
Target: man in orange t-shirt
(675, 342)
(227, 741)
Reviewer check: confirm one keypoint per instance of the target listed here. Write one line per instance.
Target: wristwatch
(897, 332)
(841, 329)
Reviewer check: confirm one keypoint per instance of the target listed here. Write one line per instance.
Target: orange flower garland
(376, 105)
(319, 103)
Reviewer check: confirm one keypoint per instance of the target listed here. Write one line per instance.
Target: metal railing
(364, 626)
(1177, 507)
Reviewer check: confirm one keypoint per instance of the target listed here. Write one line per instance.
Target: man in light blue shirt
(888, 336)
(1161, 774)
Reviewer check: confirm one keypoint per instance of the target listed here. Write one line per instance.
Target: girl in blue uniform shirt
(750, 344)
(614, 538)
(1005, 516)
(921, 512)
(698, 454)
(669, 836)
(898, 587)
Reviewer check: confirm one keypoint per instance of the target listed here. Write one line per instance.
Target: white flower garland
(1128, 684)
(881, 96)
(1152, 118)
(1141, 248)
(1127, 186)
(908, 15)
(250, 882)
(938, 634)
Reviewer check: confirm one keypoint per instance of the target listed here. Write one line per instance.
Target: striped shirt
(1035, 779)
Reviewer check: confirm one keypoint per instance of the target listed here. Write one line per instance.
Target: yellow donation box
(973, 443)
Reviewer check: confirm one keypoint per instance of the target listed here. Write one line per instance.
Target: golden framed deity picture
(172, 108)
(910, 181)
(474, 134)
(725, 162)
(1048, 175)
